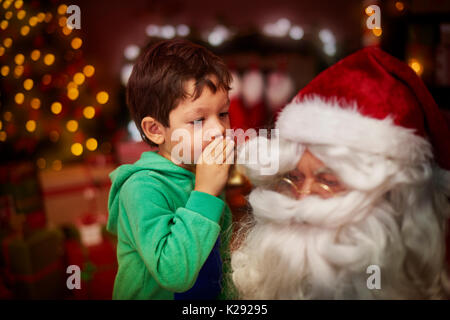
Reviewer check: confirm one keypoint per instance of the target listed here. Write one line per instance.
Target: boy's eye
(224, 114)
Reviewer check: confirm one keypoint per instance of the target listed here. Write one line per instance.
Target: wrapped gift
(33, 265)
(97, 261)
(74, 190)
(21, 203)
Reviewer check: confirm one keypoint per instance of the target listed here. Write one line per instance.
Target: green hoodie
(165, 229)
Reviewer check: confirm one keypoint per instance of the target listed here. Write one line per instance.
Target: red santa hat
(373, 102)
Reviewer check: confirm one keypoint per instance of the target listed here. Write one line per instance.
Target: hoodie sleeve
(173, 244)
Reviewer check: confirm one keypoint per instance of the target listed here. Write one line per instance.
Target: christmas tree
(51, 108)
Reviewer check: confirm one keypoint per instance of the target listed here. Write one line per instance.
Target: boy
(168, 210)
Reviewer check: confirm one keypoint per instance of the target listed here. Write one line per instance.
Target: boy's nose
(217, 130)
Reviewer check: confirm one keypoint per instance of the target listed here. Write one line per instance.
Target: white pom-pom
(280, 89)
(252, 87)
(236, 86)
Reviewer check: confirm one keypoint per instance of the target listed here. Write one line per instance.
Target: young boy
(169, 214)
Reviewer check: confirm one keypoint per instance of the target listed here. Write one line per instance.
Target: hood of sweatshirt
(149, 160)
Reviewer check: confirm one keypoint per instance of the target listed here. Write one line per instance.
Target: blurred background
(64, 125)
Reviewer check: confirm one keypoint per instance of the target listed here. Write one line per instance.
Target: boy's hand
(213, 166)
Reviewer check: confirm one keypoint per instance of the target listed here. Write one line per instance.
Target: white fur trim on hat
(318, 121)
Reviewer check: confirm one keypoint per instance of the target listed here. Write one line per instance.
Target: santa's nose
(306, 188)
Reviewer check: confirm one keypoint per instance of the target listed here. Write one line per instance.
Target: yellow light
(19, 98)
(399, 5)
(88, 71)
(5, 71)
(62, 21)
(72, 85)
(57, 165)
(2, 136)
(49, 59)
(8, 15)
(416, 66)
(24, 30)
(7, 116)
(35, 55)
(21, 14)
(76, 43)
(102, 97)
(18, 70)
(41, 16)
(7, 42)
(48, 17)
(6, 4)
(18, 4)
(46, 79)
(78, 78)
(1, 125)
(77, 149)
(28, 84)
(56, 107)
(369, 11)
(73, 93)
(33, 21)
(35, 103)
(91, 144)
(2, 51)
(72, 125)
(19, 59)
(4, 24)
(62, 9)
(66, 30)
(31, 125)
(41, 163)
(89, 112)
(54, 135)
(377, 31)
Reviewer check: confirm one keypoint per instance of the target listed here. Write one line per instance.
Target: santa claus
(362, 188)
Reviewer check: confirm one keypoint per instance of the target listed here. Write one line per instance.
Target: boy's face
(197, 121)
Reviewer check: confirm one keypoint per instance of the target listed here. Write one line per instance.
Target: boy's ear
(153, 130)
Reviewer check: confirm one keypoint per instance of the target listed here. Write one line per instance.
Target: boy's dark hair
(156, 84)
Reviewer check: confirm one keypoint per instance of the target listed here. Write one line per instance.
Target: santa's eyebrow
(323, 170)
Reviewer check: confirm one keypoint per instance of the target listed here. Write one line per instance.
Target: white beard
(320, 249)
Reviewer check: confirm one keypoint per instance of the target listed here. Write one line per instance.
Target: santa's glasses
(295, 184)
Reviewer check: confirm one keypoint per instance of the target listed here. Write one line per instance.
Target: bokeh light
(89, 112)
(88, 71)
(76, 43)
(30, 125)
(102, 97)
(19, 98)
(77, 149)
(56, 107)
(72, 125)
(35, 103)
(49, 59)
(91, 144)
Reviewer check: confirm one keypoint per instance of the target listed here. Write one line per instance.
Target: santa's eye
(295, 177)
(329, 180)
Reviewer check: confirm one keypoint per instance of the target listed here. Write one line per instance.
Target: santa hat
(372, 102)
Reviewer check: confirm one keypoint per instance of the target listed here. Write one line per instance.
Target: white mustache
(312, 210)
